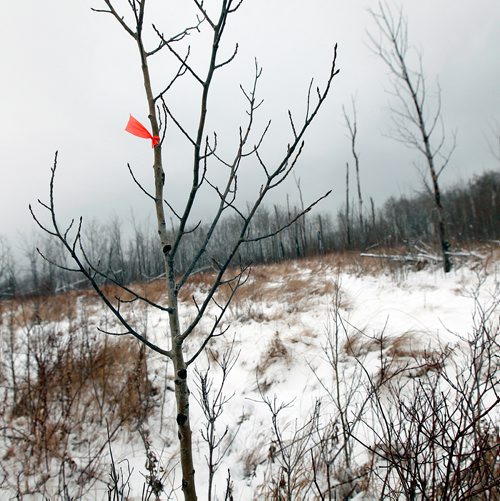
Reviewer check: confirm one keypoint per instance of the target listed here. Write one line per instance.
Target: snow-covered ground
(280, 328)
(280, 335)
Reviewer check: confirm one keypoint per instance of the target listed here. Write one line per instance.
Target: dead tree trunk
(352, 127)
(347, 208)
(412, 127)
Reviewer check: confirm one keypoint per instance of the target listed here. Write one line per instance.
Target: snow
(280, 340)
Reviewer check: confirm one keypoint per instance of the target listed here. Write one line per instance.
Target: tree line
(472, 214)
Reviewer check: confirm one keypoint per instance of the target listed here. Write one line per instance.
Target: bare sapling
(205, 153)
(212, 400)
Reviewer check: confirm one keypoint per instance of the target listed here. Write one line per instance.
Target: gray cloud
(71, 77)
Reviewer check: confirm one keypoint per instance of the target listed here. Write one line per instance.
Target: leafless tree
(7, 269)
(301, 225)
(288, 476)
(417, 125)
(352, 126)
(347, 209)
(212, 401)
(205, 152)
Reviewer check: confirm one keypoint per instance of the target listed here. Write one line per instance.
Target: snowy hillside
(317, 351)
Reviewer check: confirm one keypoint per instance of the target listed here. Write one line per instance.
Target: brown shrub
(75, 386)
(359, 344)
(275, 353)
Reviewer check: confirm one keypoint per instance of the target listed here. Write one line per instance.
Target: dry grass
(250, 459)
(115, 371)
(359, 345)
(197, 282)
(292, 285)
(288, 274)
(276, 352)
(293, 281)
(402, 355)
(73, 391)
(41, 308)
(406, 345)
(63, 306)
(353, 262)
(305, 337)
(408, 352)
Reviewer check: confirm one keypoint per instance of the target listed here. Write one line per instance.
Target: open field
(333, 365)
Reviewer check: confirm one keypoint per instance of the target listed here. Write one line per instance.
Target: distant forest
(472, 215)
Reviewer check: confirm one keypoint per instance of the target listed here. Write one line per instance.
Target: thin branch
(290, 223)
(175, 38)
(229, 59)
(119, 18)
(88, 272)
(139, 184)
(180, 72)
(182, 60)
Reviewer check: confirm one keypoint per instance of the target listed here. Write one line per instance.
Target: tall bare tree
(347, 208)
(417, 124)
(7, 269)
(205, 152)
(352, 126)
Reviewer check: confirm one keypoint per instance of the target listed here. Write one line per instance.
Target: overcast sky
(70, 78)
